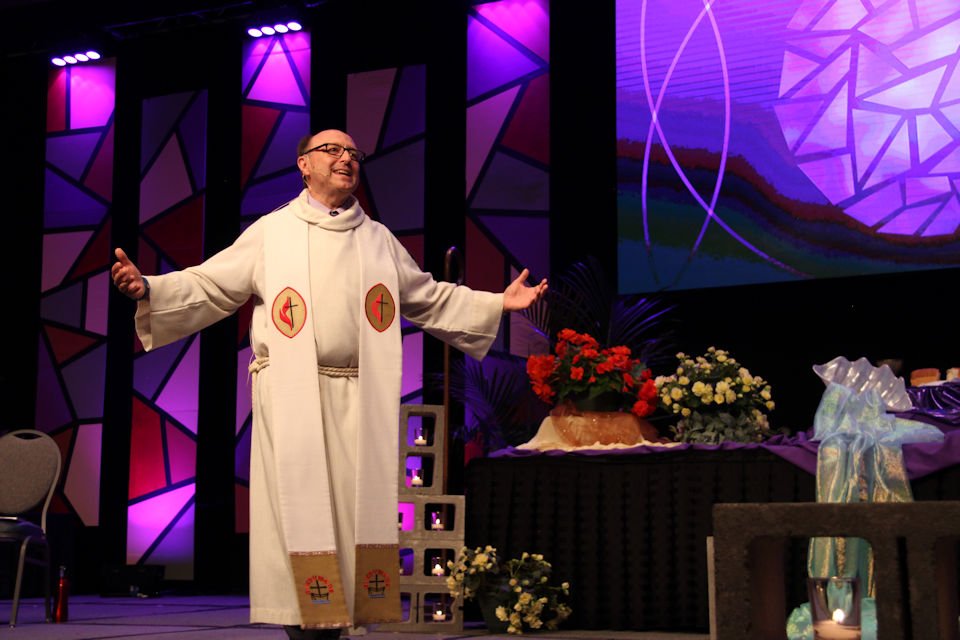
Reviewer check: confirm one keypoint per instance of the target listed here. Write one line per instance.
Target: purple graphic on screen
(655, 103)
(870, 108)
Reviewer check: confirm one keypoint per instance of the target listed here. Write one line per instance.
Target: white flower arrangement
(716, 399)
(520, 587)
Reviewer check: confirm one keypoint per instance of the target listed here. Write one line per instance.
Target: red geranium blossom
(581, 369)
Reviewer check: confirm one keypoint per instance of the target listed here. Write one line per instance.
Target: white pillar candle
(830, 630)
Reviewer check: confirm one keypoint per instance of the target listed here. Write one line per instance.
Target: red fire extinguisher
(61, 612)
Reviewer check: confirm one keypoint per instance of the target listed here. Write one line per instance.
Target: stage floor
(214, 618)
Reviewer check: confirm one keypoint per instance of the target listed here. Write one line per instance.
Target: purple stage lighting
(62, 61)
(294, 26)
(254, 32)
(267, 31)
(280, 28)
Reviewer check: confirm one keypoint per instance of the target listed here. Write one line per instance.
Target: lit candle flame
(838, 615)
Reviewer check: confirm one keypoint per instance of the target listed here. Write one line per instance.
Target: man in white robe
(320, 541)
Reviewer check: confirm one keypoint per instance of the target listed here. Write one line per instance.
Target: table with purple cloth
(628, 527)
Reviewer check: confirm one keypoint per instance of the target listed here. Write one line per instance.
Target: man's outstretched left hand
(518, 296)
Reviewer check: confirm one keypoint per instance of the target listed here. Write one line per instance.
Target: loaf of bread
(924, 376)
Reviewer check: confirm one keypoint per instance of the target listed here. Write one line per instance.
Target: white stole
(303, 487)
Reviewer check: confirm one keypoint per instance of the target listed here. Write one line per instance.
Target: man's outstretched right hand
(127, 277)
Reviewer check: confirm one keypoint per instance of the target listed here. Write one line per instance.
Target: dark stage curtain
(629, 532)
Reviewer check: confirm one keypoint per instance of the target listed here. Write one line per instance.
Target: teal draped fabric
(860, 459)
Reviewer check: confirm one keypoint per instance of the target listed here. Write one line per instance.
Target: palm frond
(496, 394)
(585, 300)
(643, 324)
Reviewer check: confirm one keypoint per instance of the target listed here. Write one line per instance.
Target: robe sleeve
(184, 302)
(462, 317)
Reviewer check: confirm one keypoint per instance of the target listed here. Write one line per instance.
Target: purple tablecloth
(920, 459)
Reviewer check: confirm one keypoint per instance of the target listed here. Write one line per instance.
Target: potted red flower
(597, 392)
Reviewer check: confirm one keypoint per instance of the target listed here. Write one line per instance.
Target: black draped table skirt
(629, 531)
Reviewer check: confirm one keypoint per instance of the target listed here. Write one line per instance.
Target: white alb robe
(184, 302)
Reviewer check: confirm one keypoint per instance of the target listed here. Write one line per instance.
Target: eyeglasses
(336, 150)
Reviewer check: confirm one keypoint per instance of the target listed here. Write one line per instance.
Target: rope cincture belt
(331, 372)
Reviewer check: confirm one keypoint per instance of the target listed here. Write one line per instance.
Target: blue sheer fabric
(860, 459)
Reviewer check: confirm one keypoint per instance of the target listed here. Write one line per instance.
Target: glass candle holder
(835, 608)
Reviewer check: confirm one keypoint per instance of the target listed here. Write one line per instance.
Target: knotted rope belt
(262, 362)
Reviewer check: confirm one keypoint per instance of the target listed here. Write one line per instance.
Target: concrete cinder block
(432, 452)
(450, 505)
(423, 589)
(420, 616)
(915, 557)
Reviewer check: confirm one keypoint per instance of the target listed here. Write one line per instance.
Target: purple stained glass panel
(515, 233)
(396, 182)
(72, 153)
(60, 251)
(82, 484)
(64, 306)
(253, 52)
(92, 94)
(266, 196)
(276, 81)
(86, 383)
(98, 296)
(281, 151)
(175, 550)
(159, 116)
(67, 205)
(166, 182)
(368, 94)
(412, 379)
(151, 367)
(492, 62)
(244, 391)
(179, 396)
(485, 121)
(527, 21)
(147, 519)
(193, 134)
(512, 184)
(52, 410)
(408, 118)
